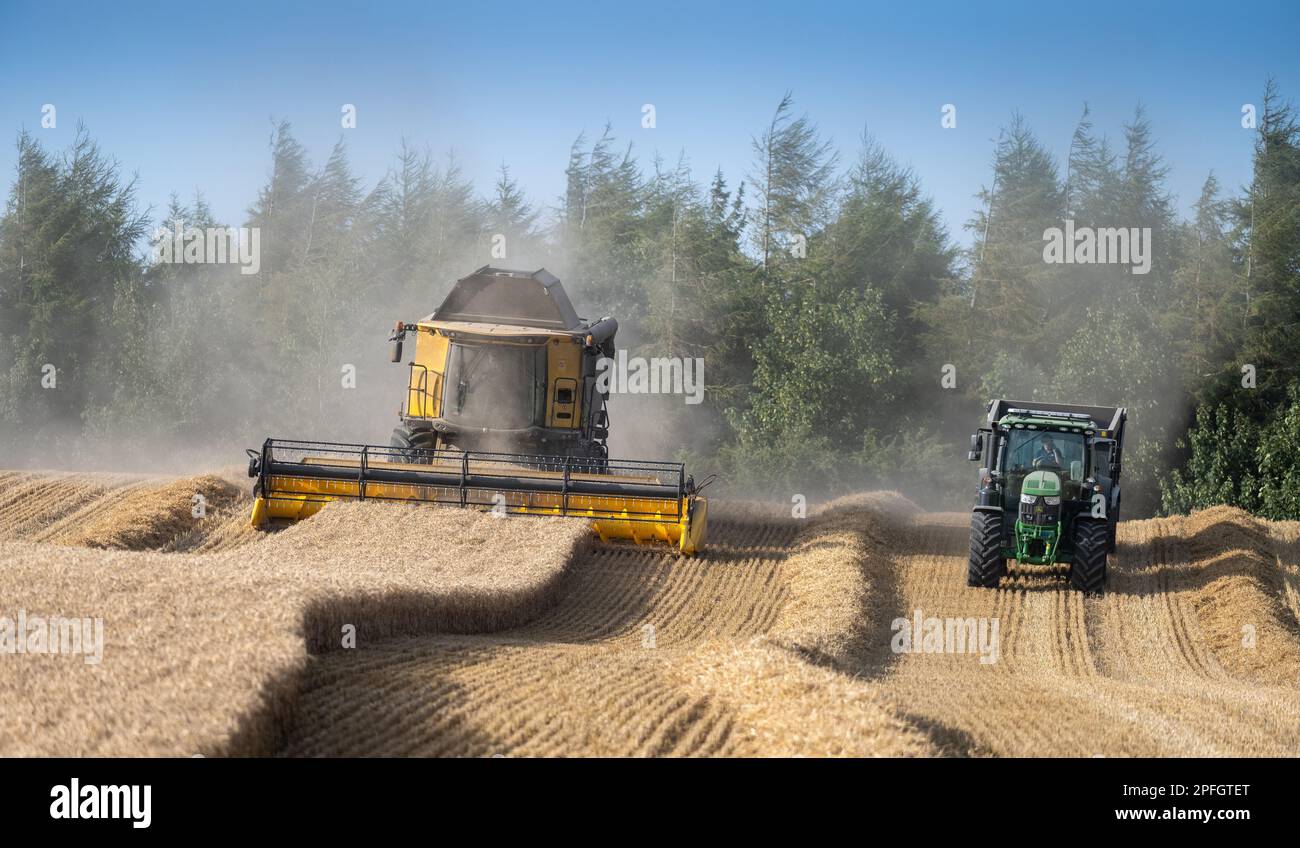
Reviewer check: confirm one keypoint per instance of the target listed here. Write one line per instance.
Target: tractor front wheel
(986, 565)
(1088, 571)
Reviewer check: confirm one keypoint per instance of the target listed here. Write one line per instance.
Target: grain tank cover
(500, 296)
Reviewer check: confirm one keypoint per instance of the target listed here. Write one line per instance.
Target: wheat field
(479, 636)
(203, 653)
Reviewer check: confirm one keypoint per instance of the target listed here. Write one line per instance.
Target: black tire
(1088, 571)
(411, 445)
(987, 565)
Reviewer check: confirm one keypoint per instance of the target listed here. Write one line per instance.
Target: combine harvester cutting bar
(623, 499)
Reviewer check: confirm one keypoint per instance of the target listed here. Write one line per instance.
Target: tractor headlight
(1028, 499)
(1053, 501)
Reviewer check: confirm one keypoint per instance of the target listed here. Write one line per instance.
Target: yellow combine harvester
(502, 412)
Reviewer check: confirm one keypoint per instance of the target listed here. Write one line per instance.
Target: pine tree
(1273, 255)
(604, 248)
(67, 239)
(794, 177)
(1209, 283)
(990, 327)
(510, 216)
(887, 236)
(282, 210)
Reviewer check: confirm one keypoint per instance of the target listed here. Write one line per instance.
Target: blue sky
(186, 97)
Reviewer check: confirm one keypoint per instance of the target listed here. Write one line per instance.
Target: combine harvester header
(505, 361)
(625, 499)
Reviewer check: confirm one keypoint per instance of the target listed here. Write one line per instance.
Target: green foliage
(1278, 457)
(1242, 446)
(1223, 444)
(1236, 461)
(914, 459)
(820, 366)
(66, 242)
(1269, 219)
(1115, 357)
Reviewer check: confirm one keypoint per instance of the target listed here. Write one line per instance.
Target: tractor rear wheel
(1091, 541)
(986, 565)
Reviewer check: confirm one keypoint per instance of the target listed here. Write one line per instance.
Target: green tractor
(1048, 492)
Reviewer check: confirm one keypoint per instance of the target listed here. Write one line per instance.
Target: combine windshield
(497, 386)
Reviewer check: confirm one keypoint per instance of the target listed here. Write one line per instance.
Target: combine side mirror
(399, 333)
(975, 448)
(1076, 471)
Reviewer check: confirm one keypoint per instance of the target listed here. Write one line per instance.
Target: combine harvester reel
(503, 410)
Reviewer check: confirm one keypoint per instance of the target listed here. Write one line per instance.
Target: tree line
(847, 339)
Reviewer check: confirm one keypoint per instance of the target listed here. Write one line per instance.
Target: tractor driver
(1048, 454)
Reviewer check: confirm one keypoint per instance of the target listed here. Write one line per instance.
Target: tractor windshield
(497, 386)
(1030, 450)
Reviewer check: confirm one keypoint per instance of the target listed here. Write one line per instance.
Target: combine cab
(506, 365)
(502, 412)
(1049, 492)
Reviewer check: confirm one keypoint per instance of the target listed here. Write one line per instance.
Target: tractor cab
(1042, 466)
(1050, 486)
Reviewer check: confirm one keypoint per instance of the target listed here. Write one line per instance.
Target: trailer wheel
(1088, 571)
(987, 565)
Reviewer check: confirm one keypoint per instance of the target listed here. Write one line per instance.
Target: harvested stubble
(124, 511)
(204, 652)
(1244, 592)
(599, 674)
(1137, 672)
(782, 706)
(787, 689)
(779, 642)
(646, 655)
(39, 506)
(156, 517)
(775, 642)
(835, 577)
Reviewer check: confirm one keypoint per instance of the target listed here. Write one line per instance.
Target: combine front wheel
(412, 445)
